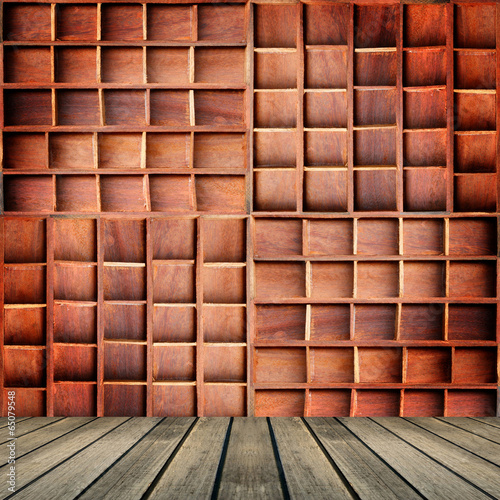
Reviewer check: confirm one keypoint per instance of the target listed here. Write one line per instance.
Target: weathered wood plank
(482, 474)
(423, 473)
(4, 421)
(250, 469)
(308, 472)
(73, 476)
(478, 428)
(494, 421)
(28, 425)
(366, 473)
(191, 475)
(133, 474)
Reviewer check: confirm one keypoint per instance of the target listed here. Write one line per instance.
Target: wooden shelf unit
(270, 209)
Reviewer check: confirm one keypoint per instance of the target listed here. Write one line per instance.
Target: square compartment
(377, 403)
(121, 65)
(170, 108)
(325, 109)
(475, 153)
(219, 151)
(31, 247)
(75, 282)
(326, 69)
(169, 22)
(24, 151)
(173, 238)
(219, 65)
(224, 285)
(375, 190)
(375, 68)
(377, 279)
(124, 240)
(380, 365)
(275, 26)
(275, 149)
(120, 150)
(424, 25)
(475, 70)
(78, 107)
(325, 191)
(475, 193)
(224, 363)
(275, 70)
(76, 22)
(174, 363)
(475, 322)
(170, 193)
(27, 107)
(219, 193)
(475, 236)
(472, 403)
(224, 401)
(75, 64)
(124, 283)
(174, 324)
(287, 403)
(27, 64)
(375, 26)
(423, 403)
(75, 363)
(24, 367)
(124, 362)
(375, 146)
(424, 108)
(374, 322)
(224, 324)
(326, 24)
(424, 279)
(174, 401)
(421, 68)
(275, 109)
(425, 189)
(24, 326)
(76, 193)
(122, 22)
(330, 322)
(224, 240)
(423, 237)
(275, 191)
(276, 238)
(374, 107)
(472, 279)
(428, 366)
(75, 400)
(27, 22)
(378, 237)
(124, 400)
(475, 26)
(168, 150)
(122, 193)
(28, 193)
(71, 151)
(219, 108)
(167, 65)
(280, 323)
(330, 237)
(280, 365)
(331, 280)
(279, 280)
(174, 283)
(335, 403)
(223, 23)
(422, 322)
(125, 107)
(477, 365)
(124, 322)
(424, 148)
(29, 402)
(75, 323)
(331, 365)
(322, 148)
(474, 111)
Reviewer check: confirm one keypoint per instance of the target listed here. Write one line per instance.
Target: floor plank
(133, 475)
(366, 473)
(191, 474)
(27, 426)
(308, 472)
(493, 421)
(250, 469)
(475, 427)
(423, 473)
(4, 421)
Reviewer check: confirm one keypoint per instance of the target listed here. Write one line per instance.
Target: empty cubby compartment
(279, 280)
(331, 365)
(424, 279)
(174, 363)
(27, 21)
(423, 237)
(75, 363)
(422, 68)
(332, 403)
(73, 399)
(380, 365)
(24, 284)
(475, 26)
(174, 323)
(120, 150)
(24, 367)
(224, 363)
(29, 402)
(124, 399)
(170, 193)
(422, 322)
(330, 322)
(124, 240)
(76, 22)
(374, 107)
(224, 284)
(219, 65)
(27, 64)
(75, 65)
(331, 280)
(472, 279)
(472, 322)
(219, 108)
(71, 151)
(279, 403)
(224, 240)
(124, 321)
(219, 193)
(76, 193)
(326, 68)
(25, 240)
(423, 403)
(275, 70)
(424, 108)
(219, 151)
(225, 400)
(122, 193)
(475, 193)
(475, 403)
(425, 189)
(330, 237)
(277, 237)
(375, 68)
(474, 111)
(24, 151)
(275, 26)
(475, 70)
(125, 107)
(275, 109)
(122, 65)
(325, 191)
(124, 283)
(376, 146)
(78, 107)
(378, 237)
(25, 326)
(174, 283)
(324, 109)
(75, 323)
(473, 236)
(375, 190)
(169, 22)
(168, 65)
(120, 22)
(27, 107)
(173, 238)
(475, 153)
(223, 23)
(375, 26)
(170, 108)
(28, 193)
(377, 403)
(325, 148)
(475, 365)
(326, 24)
(424, 25)
(280, 322)
(75, 282)
(168, 150)
(428, 365)
(224, 324)
(374, 322)
(174, 400)
(275, 148)
(280, 365)
(424, 148)
(377, 279)
(124, 362)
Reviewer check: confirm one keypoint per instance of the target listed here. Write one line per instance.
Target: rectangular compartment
(424, 25)
(475, 26)
(77, 22)
(336, 403)
(124, 362)
(330, 237)
(326, 68)
(472, 322)
(75, 282)
(275, 238)
(75, 323)
(124, 400)
(279, 280)
(325, 148)
(331, 365)
(331, 280)
(170, 193)
(174, 324)
(218, 193)
(472, 403)
(324, 109)
(124, 321)
(378, 237)
(122, 193)
(224, 363)
(326, 24)
(174, 283)
(374, 322)
(475, 193)
(423, 403)
(475, 153)
(275, 191)
(24, 240)
(120, 22)
(267, 104)
(375, 190)
(168, 150)
(125, 107)
(280, 323)
(76, 193)
(424, 279)
(424, 108)
(428, 365)
(476, 365)
(423, 237)
(375, 146)
(75, 64)
(27, 107)
(224, 240)
(474, 111)
(26, 21)
(24, 151)
(27, 64)
(173, 238)
(424, 148)
(375, 68)
(219, 108)
(170, 108)
(174, 401)
(219, 65)
(222, 23)
(275, 70)
(377, 279)
(275, 149)
(380, 365)
(169, 65)
(377, 403)
(75, 400)
(374, 107)
(425, 189)
(275, 26)
(224, 285)
(24, 284)
(124, 283)
(280, 365)
(124, 240)
(325, 191)
(75, 363)
(330, 322)
(474, 236)
(174, 363)
(169, 22)
(375, 26)
(71, 151)
(120, 150)
(24, 326)
(219, 151)
(422, 68)
(29, 402)
(422, 322)
(475, 70)
(224, 401)
(289, 403)
(78, 107)
(224, 324)
(472, 279)
(24, 367)
(121, 65)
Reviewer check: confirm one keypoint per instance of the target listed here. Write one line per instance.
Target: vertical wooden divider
(99, 21)
(350, 111)
(401, 402)
(399, 111)
(498, 196)
(47, 149)
(249, 106)
(144, 21)
(300, 109)
(447, 277)
(49, 352)
(194, 23)
(2, 313)
(354, 403)
(149, 318)
(100, 318)
(199, 320)
(53, 22)
(250, 320)
(450, 109)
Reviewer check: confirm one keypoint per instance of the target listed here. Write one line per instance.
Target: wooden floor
(312, 458)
